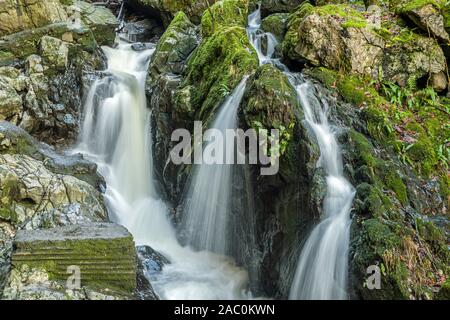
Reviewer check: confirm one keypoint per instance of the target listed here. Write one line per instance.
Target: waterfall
(116, 134)
(208, 204)
(322, 267)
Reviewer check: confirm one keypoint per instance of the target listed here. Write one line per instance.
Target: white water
(322, 268)
(208, 205)
(116, 135)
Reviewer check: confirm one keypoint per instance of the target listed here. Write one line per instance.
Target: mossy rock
(224, 13)
(270, 102)
(214, 70)
(276, 24)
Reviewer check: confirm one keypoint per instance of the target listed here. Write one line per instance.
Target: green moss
(224, 13)
(444, 292)
(215, 69)
(276, 24)
(423, 151)
(402, 6)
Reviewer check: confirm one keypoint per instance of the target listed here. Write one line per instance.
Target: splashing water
(116, 134)
(209, 194)
(323, 263)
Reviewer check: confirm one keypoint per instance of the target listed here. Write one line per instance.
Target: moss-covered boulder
(215, 68)
(276, 24)
(103, 253)
(27, 14)
(164, 77)
(55, 52)
(342, 38)
(224, 13)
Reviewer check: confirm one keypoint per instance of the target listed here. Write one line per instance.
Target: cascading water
(322, 267)
(115, 134)
(208, 202)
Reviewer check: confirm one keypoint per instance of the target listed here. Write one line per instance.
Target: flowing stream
(116, 134)
(322, 268)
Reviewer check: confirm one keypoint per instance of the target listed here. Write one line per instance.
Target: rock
(439, 81)
(142, 46)
(278, 6)
(149, 263)
(10, 101)
(147, 30)
(99, 19)
(353, 45)
(164, 76)
(218, 65)
(429, 19)
(224, 13)
(17, 15)
(276, 24)
(174, 47)
(166, 9)
(55, 52)
(104, 254)
(33, 197)
(25, 43)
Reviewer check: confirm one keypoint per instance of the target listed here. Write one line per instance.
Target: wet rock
(26, 14)
(164, 76)
(104, 254)
(278, 6)
(149, 263)
(142, 46)
(147, 30)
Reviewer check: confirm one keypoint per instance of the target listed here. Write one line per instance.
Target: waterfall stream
(209, 194)
(116, 134)
(322, 269)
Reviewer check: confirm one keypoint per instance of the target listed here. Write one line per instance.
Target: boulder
(278, 6)
(100, 20)
(102, 253)
(17, 15)
(214, 70)
(55, 52)
(276, 24)
(340, 38)
(34, 197)
(224, 13)
(429, 19)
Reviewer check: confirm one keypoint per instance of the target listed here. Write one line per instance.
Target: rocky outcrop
(224, 13)
(167, 64)
(27, 14)
(276, 24)
(101, 254)
(285, 204)
(341, 38)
